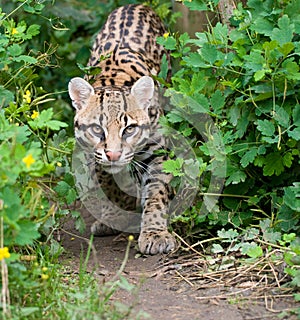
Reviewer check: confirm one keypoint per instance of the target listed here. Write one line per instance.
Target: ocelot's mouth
(113, 167)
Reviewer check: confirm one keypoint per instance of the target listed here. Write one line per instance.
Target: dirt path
(160, 292)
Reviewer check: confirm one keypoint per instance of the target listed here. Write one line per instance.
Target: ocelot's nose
(113, 155)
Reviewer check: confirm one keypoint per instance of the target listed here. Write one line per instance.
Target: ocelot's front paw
(101, 229)
(153, 242)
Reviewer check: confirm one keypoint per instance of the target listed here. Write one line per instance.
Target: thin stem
(223, 195)
(15, 10)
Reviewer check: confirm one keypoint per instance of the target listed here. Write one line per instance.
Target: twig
(271, 309)
(190, 247)
(185, 279)
(254, 265)
(275, 275)
(228, 294)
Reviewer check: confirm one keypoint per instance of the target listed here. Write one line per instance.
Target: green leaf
(273, 164)
(287, 218)
(228, 235)
(288, 159)
(164, 68)
(296, 115)
(296, 279)
(292, 197)
(217, 101)
(14, 50)
(198, 5)
(56, 125)
(271, 236)
(44, 121)
(169, 43)
(236, 177)
(281, 116)
(249, 157)
(263, 26)
(258, 75)
(27, 233)
(200, 104)
(286, 48)
(6, 96)
(71, 196)
(194, 60)
(174, 117)
(254, 61)
(198, 81)
(251, 233)
(294, 134)
(209, 53)
(252, 250)
(174, 167)
(62, 188)
(291, 69)
(32, 31)
(79, 221)
(284, 33)
(26, 59)
(217, 248)
(220, 33)
(234, 115)
(266, 127)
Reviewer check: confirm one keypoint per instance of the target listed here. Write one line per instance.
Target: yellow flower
(28, 160)
(166, 35)
(44, 276)
(27, 96)
(14, 31)
(4, 253)
(35, 114)
(130, 238)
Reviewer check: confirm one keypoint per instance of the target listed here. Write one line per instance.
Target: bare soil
(162, 292)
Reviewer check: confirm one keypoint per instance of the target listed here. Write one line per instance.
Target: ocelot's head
(110, 122)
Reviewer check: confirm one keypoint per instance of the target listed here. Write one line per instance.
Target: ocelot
(117, 127)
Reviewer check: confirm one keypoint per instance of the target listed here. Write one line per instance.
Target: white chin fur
(113, 169)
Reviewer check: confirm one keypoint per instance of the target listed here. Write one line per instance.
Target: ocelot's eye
(128, 131)
(97, 131)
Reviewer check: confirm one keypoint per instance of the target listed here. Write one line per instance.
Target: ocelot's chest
(125, 48)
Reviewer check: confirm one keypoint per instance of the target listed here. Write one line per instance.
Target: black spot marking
(135, 40)
(136, 71)
(107, 46)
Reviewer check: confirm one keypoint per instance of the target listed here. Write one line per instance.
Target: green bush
(35, 153)
(247, 80)
(235, 97)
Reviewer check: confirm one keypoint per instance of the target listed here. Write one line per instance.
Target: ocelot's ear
(143, 91)
(80, 92)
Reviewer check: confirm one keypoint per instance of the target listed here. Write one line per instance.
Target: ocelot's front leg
(154, 236)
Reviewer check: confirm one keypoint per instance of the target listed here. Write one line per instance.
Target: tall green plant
(34, 154)
(235, 96)
(247, 79)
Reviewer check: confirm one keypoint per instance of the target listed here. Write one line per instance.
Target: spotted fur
(116, 123)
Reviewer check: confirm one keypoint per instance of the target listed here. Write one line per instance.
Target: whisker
(143, 168)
